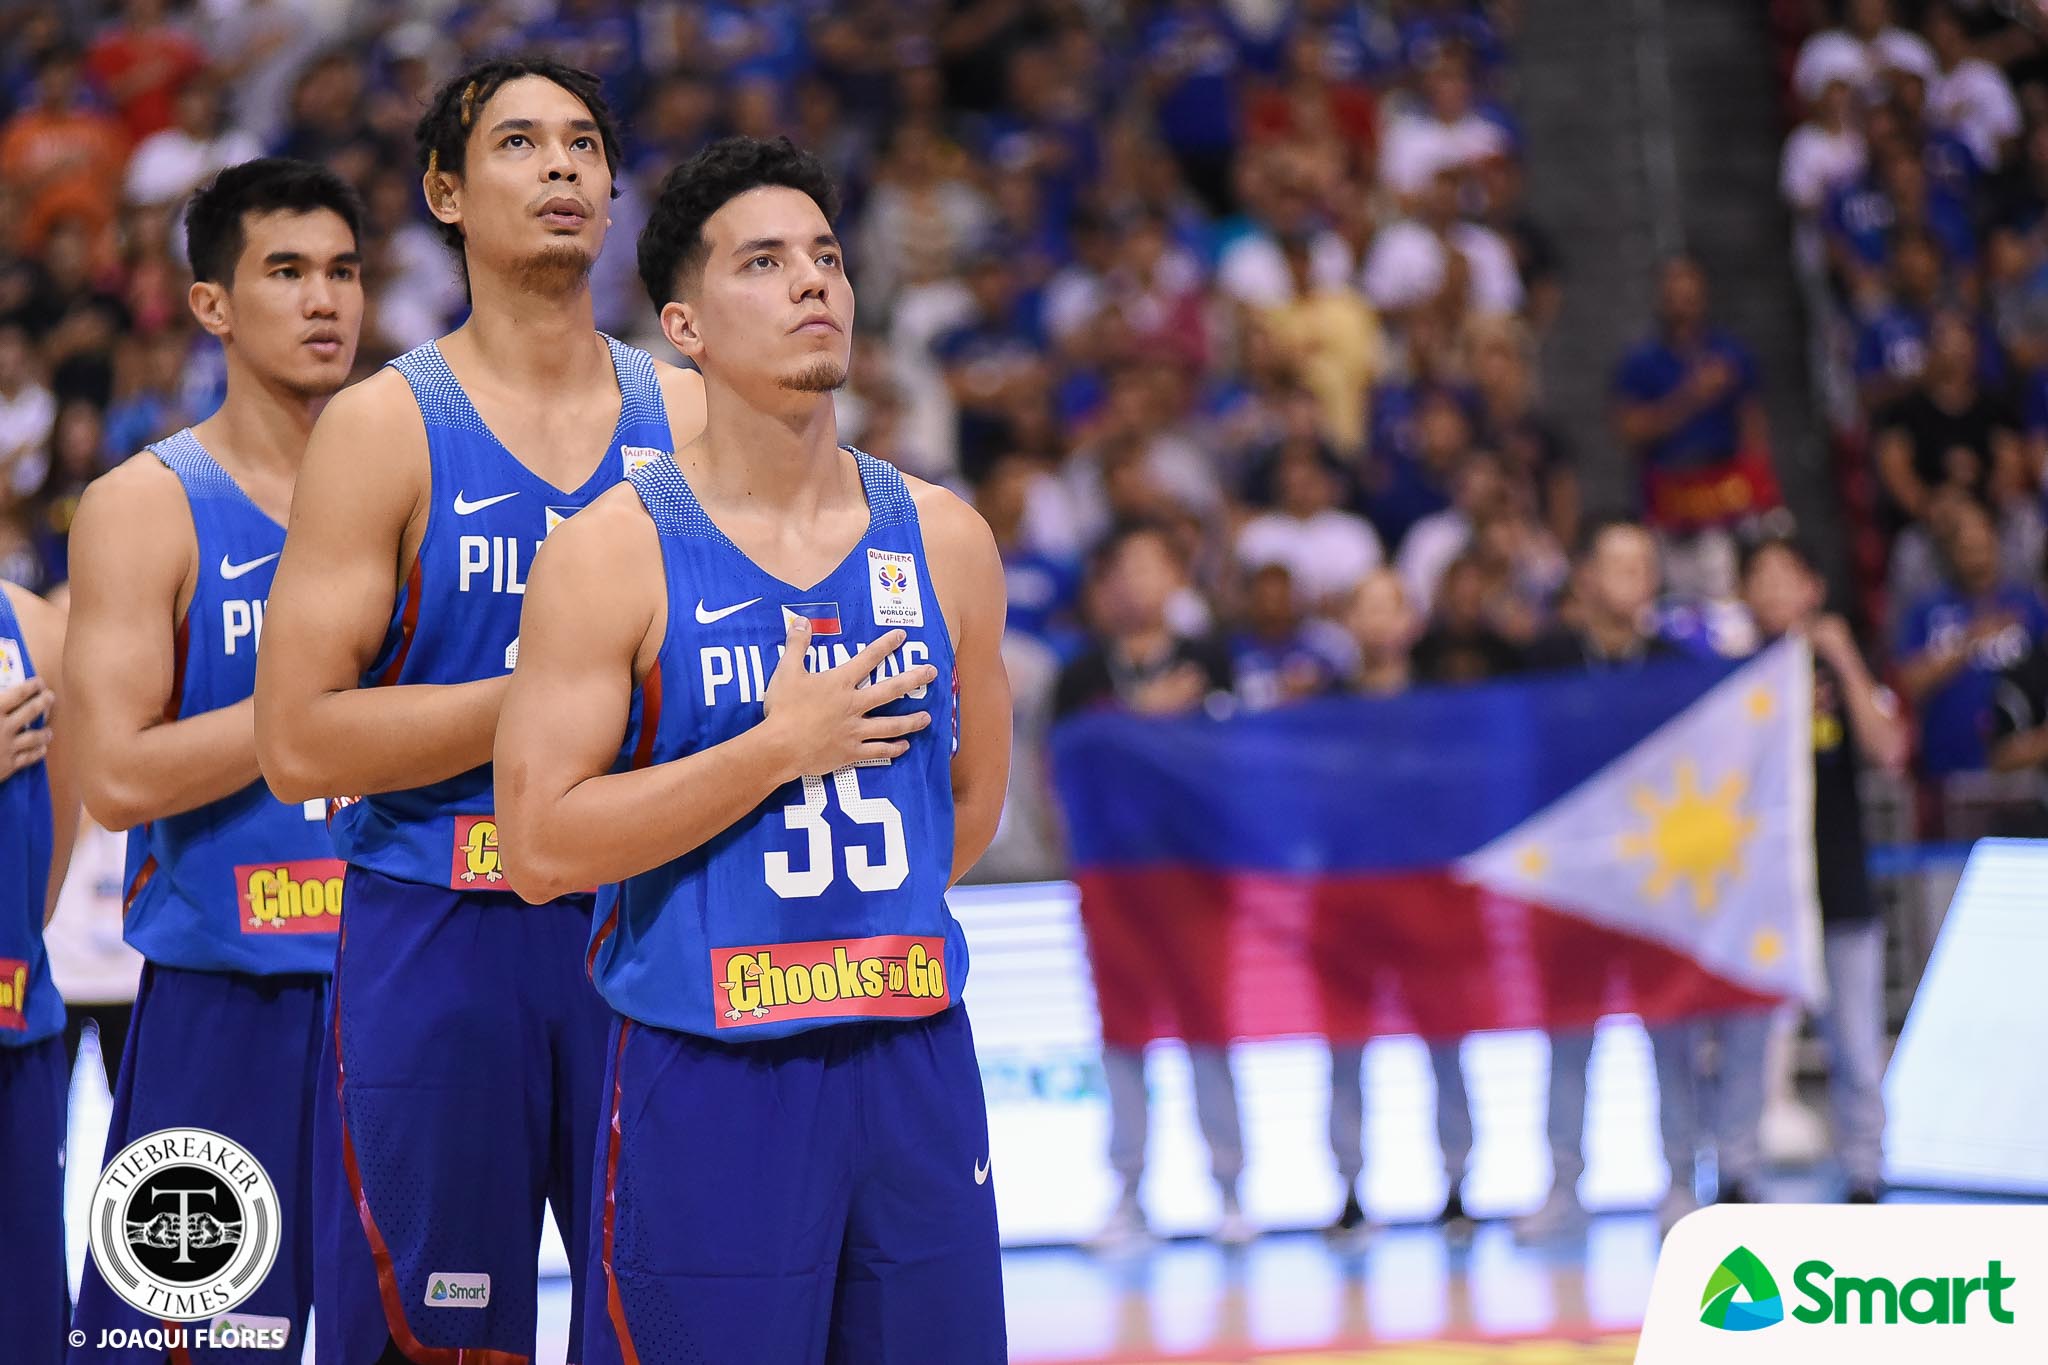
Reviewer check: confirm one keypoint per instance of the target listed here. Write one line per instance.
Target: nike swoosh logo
(705, 618)
(981, 1172)
(463, 506)
(231, 570)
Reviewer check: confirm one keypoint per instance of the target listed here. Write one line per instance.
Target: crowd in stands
(1917, 178)
(1257, 279)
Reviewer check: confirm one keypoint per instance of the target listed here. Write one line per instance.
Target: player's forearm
(612, 826)
(975, 818)
(377, 739)
(173, 767)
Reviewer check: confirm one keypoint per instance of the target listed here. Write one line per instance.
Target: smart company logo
(1761, 1305)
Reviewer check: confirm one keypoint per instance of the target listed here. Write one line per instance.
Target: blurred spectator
(1043, 590)
(1825, 154)
(77, 457)
(1279, 202)
(1481, 493)
(1139, 464)
(84, 320)
(1969, 96)
(990, 362)
(2019, 715)
(1895, 199)
(61, 157)
(170, 163)
(921, 218)
(258, 47)
(1855, 722)
(28, 414)
(1947, 431)
(1445, 134)
(326, 109)
(1330, 338)
(1853, 51)
(1462, 644)
(1689, 410)
(1433, 258)
(1140, 664)
(1421, 432)
(1276, 654)
(1383, 628)
(1318, 98)
(1957, 641)
(1891, 348)
(1326, 550)
(1190, 52)
(1531, 448)
(153, 404)
(1536, 256)
(140, 63)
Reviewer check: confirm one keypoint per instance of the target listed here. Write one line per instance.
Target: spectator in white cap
(1824, 154)
(1968, 95)
(1846, 51)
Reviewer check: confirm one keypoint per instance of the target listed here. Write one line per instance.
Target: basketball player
(465, 1056)
(38, 817)
(232, 895)
(794, 1164)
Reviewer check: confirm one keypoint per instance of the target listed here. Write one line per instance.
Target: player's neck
(787, 457)
(260, 427)
(534, 343)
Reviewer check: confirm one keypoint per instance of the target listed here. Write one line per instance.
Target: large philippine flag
(1535, 853)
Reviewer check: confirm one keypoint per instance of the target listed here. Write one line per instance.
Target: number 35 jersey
(826, 904)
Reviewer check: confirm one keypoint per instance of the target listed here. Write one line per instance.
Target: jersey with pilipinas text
(246, 883)
(30, 1008)
(456, 618)
(827, 903)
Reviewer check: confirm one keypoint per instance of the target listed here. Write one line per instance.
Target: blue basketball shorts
(820, 1199)
(239, 1055)
(35, 1301)
(461, 1083)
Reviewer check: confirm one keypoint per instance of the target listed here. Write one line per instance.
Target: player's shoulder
(614, 535)
(129, 500)
(380, 405)
(42, 624)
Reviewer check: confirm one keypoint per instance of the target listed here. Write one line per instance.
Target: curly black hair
(441, 138)
(215, 218)
(672, 245)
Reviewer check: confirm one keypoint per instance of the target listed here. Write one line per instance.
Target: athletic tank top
(827, 903)
(30, 1008)
(247, 883)
(456, 619)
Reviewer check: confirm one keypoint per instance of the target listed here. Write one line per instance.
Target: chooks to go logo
(1841, 1299)
(1741, 1272)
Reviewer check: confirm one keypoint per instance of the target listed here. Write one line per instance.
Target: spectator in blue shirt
(1689, 412)
(1956, 642)
(991, 362)
(1276, 656)
(1864, 220)
(1192, 53)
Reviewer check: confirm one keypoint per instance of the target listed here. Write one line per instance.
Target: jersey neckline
(614, 348)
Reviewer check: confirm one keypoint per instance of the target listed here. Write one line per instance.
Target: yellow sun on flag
(1696, 837)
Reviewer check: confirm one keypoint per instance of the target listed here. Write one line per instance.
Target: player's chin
(321, 378)
(818, 374)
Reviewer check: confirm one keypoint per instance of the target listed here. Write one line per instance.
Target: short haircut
(1589, 543)
(217, 216)
(1121, 537)
(672, 245)
(441, 138)
(1753, 551)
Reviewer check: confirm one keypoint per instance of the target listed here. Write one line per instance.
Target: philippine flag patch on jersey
(12, 669)
(637, 458)
(892, 583)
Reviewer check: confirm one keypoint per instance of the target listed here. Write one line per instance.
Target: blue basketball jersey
(247, 883)
(826, 904)
(456, 618)
(30, 1009)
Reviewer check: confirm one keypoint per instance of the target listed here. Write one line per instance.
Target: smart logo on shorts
(1740, 1272)
(184, 1224)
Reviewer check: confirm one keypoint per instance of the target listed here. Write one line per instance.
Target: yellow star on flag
(1761, 704)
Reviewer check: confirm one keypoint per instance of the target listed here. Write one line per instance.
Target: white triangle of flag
(1699, 838)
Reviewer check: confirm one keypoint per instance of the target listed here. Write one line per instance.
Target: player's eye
(829, 260)
(286, 272)
(584, 144)
(344, 272)
(760, 260)
(516, 139)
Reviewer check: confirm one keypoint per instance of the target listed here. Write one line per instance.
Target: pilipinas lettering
(895, 976)
(738, 674)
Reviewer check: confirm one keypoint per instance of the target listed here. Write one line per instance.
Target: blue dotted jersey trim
(201, 474)
(676, 511)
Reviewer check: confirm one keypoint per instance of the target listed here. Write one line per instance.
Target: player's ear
(679, 325)
(209, 304)
(440, 187)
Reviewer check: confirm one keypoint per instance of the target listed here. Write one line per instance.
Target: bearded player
(794, 1156)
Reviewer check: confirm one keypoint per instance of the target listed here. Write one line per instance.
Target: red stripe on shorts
(614, 1305)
